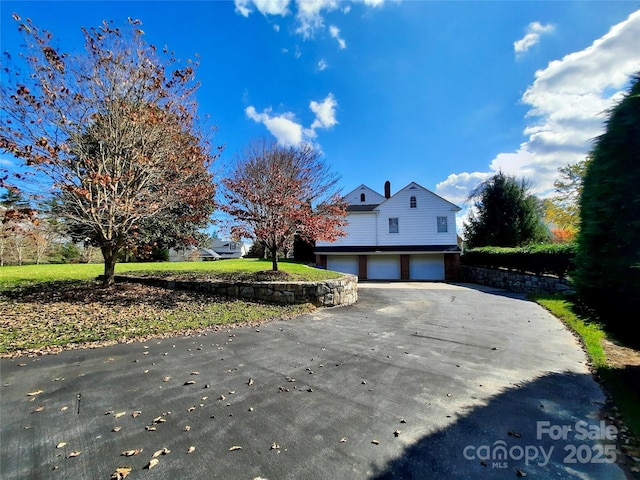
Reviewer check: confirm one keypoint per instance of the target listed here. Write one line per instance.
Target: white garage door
(343, 264)
(426, 267)
(383, 267)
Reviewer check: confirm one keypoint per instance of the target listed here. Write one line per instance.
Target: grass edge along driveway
(52, 307)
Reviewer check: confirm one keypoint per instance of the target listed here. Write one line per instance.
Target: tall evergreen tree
(607, 273)
(506, 214)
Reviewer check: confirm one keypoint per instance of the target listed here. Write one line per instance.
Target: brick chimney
(387, 189)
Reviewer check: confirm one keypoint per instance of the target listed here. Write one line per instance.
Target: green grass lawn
(11, 276)
(47, 307)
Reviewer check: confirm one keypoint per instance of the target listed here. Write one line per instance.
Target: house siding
(417, 226)
(361, 230)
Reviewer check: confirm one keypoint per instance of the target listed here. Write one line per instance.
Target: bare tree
(114, 130)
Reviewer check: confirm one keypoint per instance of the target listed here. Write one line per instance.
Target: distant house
(410, 235)
(192, 254)
(220, 250)
(230, 248)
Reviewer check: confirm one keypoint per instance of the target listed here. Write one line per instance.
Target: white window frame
(439, 225)
(394, 226)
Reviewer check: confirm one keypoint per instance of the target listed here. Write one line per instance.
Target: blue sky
(441, 93)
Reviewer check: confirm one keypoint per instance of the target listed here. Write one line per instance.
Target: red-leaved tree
(276, 192)
(114, 131)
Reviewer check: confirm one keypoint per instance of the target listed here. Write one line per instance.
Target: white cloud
(322, 65)
(325, 112)
(285, 127)
(309, 14)
(265, 7)
(534, 30)
(568, 101)
(335, 33)
(242, 7)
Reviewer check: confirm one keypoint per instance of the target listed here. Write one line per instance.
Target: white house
(410, 235)
(192, 254)
(230, 248)
(220, 250)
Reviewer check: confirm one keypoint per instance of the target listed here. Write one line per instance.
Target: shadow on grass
(506, 438)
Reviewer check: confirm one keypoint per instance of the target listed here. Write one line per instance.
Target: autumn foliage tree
(563, 209)
(114, 130)
(277, 192)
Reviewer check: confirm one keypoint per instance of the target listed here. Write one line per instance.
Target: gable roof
(371, 197)
(353, 204)
(415, 186)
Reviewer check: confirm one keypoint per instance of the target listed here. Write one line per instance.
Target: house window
(393, 225)
(412, 202)
(442, 225)
(232, 246)
(362, 197)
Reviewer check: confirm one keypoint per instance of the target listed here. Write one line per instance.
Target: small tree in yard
(277, 192)
(507, 215)
(113, 130)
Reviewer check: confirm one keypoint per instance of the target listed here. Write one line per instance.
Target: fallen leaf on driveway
(190, 382)
(120, 473)
(191, 449)
(61, 444)
(164, 451)
(116, 429)
(38, 409)
(234, 448)
(152, 463)
(131, 453)
(33, 394)
(75, 453)
(120, 414)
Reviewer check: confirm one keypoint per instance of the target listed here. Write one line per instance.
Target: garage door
(343, 264)
(383, 267)
(426, 267)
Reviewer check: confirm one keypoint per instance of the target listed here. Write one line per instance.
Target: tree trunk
(274, 259)
(109, 254)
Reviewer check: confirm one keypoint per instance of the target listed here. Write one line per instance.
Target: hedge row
(539, 259)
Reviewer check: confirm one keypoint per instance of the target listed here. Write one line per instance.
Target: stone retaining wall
(325, 293)
(514, 281)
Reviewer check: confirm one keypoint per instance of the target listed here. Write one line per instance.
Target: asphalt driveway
(415, 381)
